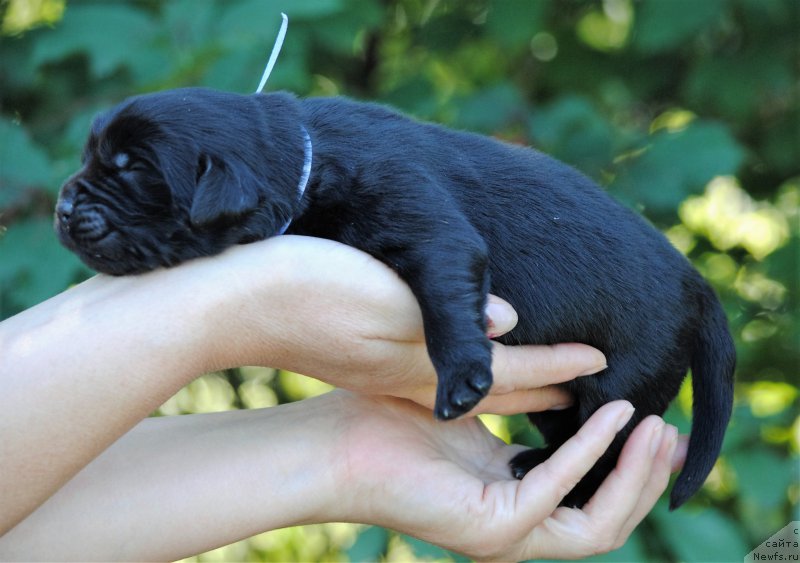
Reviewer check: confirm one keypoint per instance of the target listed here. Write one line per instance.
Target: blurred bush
(687, 111)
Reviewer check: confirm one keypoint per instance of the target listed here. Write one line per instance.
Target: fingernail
(560, 407)
(598, 368)
(656, 437)
(597, 361)
(500, 318)
(624, 417)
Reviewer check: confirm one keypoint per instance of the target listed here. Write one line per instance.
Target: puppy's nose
(64, 209)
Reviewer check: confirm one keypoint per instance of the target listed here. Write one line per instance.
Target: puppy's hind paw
(527, 460)
(466, 389)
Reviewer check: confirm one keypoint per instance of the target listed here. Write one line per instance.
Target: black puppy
(174, 175)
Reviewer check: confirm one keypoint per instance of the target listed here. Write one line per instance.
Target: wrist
(319, 484)
(297, 303)
(233, 306)
(365, 479)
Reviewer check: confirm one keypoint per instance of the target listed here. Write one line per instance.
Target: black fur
(186, 173)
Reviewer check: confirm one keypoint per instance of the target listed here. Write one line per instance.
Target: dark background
(685, 110)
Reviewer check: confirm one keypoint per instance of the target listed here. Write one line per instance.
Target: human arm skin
(80, 370)
(176, 486)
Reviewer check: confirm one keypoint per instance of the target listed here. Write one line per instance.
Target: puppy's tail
(713, 363)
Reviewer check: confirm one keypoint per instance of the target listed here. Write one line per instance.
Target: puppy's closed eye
(121, 160)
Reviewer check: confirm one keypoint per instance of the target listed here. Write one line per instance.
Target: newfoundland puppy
(170, 176)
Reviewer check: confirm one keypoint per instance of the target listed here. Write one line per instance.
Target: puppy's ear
(222, 192)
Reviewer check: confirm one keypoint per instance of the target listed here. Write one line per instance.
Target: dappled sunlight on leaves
(719, 268)
(681, 238)
(721, 482)
(753, 285)
(255, 390)
(768, 398)
(729, 217)
(673, 165)
(209, 393)
(22, 15)
(609, 28)
(673, 120)
(297, 387)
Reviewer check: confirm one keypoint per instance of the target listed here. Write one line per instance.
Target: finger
(518, 368)
(679, 455)
(655, 486)
(500, 316)
(617, 499)
(536, 400)
(548, 483)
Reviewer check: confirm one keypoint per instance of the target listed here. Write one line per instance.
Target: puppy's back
(577, 265)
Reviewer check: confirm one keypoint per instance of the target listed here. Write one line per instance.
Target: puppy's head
(171, 176)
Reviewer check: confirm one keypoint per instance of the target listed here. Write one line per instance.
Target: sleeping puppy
(170, 176)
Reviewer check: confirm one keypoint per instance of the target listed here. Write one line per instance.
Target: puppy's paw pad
(466, 388)
(480, 381)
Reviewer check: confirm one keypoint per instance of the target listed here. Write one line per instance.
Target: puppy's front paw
(461, 388)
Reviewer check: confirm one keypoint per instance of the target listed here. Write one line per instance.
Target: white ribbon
(276, 49)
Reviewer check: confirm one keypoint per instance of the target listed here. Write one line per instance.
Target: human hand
(449, 483)
(329, 311)
(341, 457)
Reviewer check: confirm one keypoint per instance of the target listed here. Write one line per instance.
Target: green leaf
(780, 149)
(189, 23)
(416, 96)
(752, 464)
(743, 430)
(23, 163)
(246, 32)
(240, 70)
(513, 23)
(491, 109)
(737, 87)
(110, 35)
(259, 20)
(426, 551)
(676, 165)
(370, 545)
(445, 34)
(77, 130)
(16, 69)
(633, 551)
(702, 536)
(572, 130)
(341, 31)
(667, 24)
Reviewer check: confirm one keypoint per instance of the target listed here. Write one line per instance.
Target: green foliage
(687, 111)
(24, 163)
(664, 26)
(701, 535)
(705, 150)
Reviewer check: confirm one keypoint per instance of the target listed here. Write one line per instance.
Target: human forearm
(80, 370)
(177, 486)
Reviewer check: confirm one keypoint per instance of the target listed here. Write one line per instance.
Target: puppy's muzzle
(86, 225)
(83, 222)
